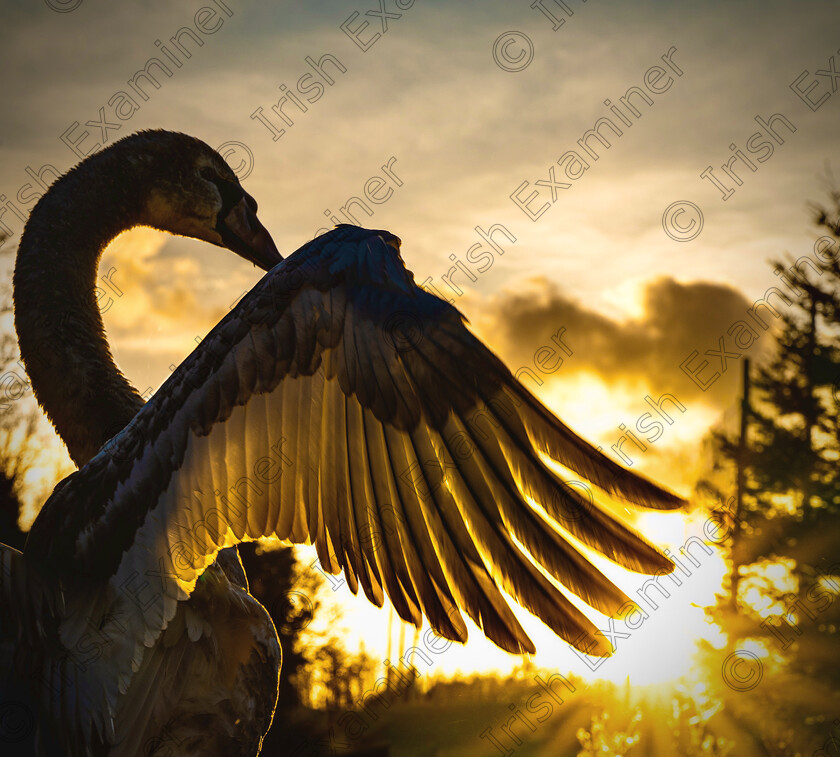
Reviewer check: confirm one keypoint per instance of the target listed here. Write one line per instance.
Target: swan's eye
(207, 173)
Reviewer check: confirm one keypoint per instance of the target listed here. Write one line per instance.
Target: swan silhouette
(338, 404)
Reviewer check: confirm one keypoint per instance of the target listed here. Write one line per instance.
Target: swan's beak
(246, 236)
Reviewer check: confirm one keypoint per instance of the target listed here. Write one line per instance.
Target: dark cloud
(678, 319)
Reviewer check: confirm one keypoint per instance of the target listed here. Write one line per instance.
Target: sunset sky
(456, 106)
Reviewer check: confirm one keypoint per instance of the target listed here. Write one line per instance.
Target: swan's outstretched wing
(340, 404)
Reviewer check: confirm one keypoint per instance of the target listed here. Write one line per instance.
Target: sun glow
(655, 642)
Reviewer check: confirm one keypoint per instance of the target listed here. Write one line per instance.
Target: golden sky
(457, 107)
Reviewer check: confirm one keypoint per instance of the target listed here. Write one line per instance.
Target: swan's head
(193, 192)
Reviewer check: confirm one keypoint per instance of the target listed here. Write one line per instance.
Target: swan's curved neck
(59, 326)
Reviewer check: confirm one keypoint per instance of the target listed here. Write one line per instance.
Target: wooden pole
(740, 484)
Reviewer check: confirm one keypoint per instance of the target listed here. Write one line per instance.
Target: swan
(339, 404)
(75, 380)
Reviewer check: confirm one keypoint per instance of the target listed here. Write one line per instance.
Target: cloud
(157, 297)
(676, 319)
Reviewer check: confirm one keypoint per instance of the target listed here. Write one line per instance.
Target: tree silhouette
(287, 592)
(784, 541)
(17, 429)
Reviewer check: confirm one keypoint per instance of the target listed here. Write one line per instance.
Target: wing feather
(287, 423)
(360, 500)
(385, 535)
(426, 572)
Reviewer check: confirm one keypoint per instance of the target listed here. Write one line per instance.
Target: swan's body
(75, 380)
(312, 414)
